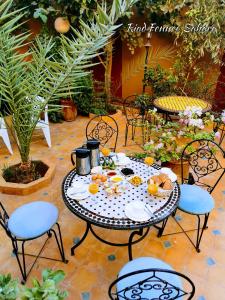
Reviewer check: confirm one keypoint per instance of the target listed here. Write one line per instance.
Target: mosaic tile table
(109, 212)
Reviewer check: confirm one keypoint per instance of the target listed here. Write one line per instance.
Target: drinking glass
(93, 189)
(149, 161)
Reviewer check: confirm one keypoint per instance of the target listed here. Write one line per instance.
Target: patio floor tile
(95, 265)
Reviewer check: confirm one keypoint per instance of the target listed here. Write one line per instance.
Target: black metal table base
(142, 232)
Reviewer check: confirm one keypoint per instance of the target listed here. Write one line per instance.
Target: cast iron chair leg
(200, 233)
(140, 232)
(60, 243)
(161, 229)
(206, 221)
(81, 240)
(22, 265)
(132, 133)
(126, 133)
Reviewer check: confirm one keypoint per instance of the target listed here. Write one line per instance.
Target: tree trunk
(108, 71)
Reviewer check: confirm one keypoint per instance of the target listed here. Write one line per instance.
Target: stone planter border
(26, 189)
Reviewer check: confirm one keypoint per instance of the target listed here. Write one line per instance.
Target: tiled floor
(95, 265)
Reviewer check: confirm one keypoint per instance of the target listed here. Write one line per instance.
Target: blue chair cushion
(195, 200)
(33, 219)
(145, 263)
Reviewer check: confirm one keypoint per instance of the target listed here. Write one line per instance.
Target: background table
(109, 211)
(176, 104)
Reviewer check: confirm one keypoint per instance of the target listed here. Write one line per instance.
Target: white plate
(121, 162)
(135, 211)
(74, 193)
(172, 176)
(79, 187)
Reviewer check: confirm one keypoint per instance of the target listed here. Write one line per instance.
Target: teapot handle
(72, 160)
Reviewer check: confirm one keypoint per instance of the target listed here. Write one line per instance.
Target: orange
(105, 151)
(149, 160)
(104, 178)
(152, 189)
(62, 25)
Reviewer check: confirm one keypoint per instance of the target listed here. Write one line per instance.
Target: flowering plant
(166, 140)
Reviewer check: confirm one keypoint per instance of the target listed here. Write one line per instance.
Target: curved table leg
(139, 232)
(81, 240)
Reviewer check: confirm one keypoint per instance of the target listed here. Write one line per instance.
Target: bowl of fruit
(99, 178)
(160, 185)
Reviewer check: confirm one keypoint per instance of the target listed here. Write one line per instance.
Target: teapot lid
(93, 144)
(82, 152)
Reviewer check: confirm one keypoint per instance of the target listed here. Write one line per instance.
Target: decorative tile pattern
(178, 218)
(85, 296)
(167, 244)
(216, 232)
(76, 240)
(111, 257)
(210, 261)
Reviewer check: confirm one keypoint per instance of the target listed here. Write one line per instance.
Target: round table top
(176, 104)
(109, 211)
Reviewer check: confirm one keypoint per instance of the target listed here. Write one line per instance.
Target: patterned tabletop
(109, 211)
(176, 104)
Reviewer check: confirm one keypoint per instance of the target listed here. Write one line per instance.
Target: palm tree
(22, 81)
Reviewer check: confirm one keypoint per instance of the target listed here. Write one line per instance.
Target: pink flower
(217, 134)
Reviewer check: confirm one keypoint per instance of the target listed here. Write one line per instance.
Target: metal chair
(104, 129)
(28, 222)
(148, 278)
(4, 135)
(135, 116)
(203, 157)
(219, 126)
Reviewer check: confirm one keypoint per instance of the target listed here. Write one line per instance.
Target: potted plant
(9, 288)
(143, 101)
(166, 140)
(44, 76)
(47, 289)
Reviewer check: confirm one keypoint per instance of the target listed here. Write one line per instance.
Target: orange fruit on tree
(105, 151)
(152, 189)
(62, 25)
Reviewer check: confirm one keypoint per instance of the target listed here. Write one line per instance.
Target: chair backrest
(131, 109)
(4, 219)
(152, 284)
(103, 128)
(204, 158)
(218, 125)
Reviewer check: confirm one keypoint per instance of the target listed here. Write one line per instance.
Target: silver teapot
(82, 162)
(93, 146)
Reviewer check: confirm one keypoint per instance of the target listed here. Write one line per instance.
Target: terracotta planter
(175, 166)
(26, 189)
(69, 110)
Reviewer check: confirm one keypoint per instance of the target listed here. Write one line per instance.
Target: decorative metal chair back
(204, 158)
(218, 125)
(105, 129)
(131, 109)
(152, 284)
(4, 219)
